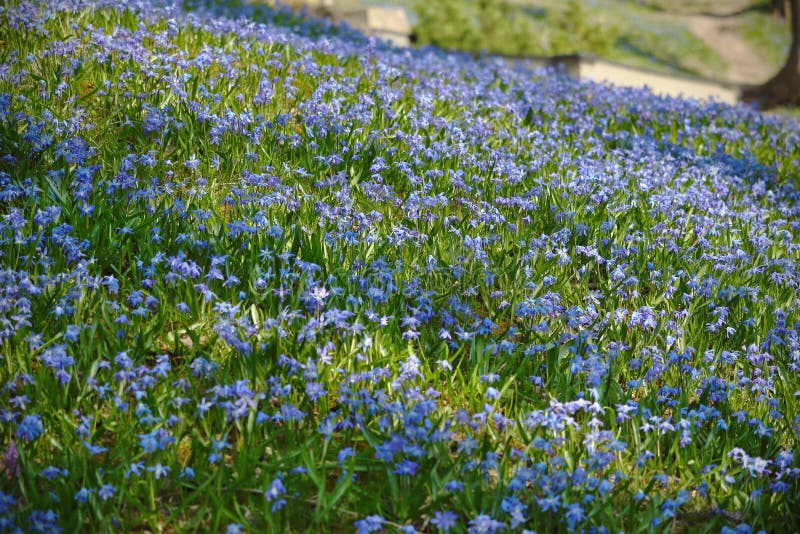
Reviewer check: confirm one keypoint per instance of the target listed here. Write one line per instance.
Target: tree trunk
(779, 7)
(783, 89)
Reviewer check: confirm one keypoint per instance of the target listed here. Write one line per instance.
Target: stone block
(387, 23)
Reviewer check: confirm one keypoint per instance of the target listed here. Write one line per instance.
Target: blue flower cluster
(259, 272)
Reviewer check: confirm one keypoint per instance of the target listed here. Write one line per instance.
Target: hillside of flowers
(262, 274)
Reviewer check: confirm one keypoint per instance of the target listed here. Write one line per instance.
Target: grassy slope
(650, 36)
(532, 260)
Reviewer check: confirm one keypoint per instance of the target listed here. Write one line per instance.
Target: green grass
(643, 33)
(769, 35)
(265, 276)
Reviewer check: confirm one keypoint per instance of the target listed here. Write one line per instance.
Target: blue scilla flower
(484, 524)
(187, 472)
(44, 522)
(82, 495)
(94, 449)
(444, 521)
(372, 523)
(6, 502)
(106, 491)
(30, 428)
(275, 492)
(159, 471)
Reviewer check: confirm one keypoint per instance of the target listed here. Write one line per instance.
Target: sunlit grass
(276, 277)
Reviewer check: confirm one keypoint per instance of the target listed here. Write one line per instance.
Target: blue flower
(93, 449)
(574, 515)
(484, 524)
(6, 503)
(44, 522)
(454, 486)
(106, 491)
(82, 495)
(444, 521)
(274, 493)
(159, 471)
(372, 523)
(187, 472)
(50, 472)
(30, 428)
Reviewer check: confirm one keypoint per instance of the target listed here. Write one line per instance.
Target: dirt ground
(744, 64)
